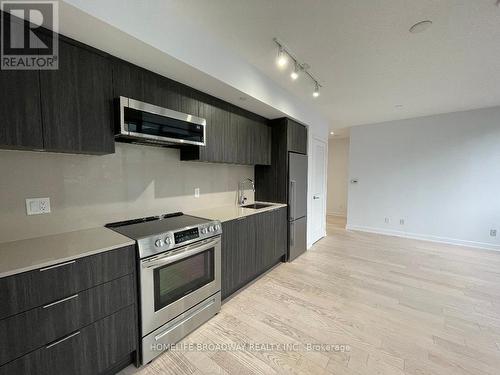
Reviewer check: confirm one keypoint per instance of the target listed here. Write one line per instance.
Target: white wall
(441, 174)
(90, 191)
(338, 175)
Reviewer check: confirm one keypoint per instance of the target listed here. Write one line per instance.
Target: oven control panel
(174, 239)
(186, 235)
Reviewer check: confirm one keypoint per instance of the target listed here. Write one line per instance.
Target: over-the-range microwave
(145, 123)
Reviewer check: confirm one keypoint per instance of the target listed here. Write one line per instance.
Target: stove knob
(217, 227)
(204, 231)
(158, 243)
(211, 228)
(168, 241)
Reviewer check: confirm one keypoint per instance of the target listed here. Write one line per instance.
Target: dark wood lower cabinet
(264, 234)
(250, 246)
(34, 328)
(31, 289)
(76, 317)
(88, 351)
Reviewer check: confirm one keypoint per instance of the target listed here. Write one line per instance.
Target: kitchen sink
(256, 206)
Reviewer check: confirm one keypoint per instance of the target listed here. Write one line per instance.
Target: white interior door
(318, 190)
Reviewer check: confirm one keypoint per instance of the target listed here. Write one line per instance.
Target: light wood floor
(402, 307)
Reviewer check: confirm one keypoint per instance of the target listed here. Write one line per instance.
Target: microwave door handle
(190, 250)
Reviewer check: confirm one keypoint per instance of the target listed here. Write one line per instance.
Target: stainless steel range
(180, 263)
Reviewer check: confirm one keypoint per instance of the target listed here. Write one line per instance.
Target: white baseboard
(337, 214)
(425, 237)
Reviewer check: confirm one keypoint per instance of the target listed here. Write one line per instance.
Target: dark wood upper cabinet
(233, 137)
(71, 109)
(271, 181)
(21, 121)
(140, 84)
(77, 102)
(297, 137)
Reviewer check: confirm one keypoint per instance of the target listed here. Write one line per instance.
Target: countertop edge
(63, 260)
(20, 256)
(212, 214)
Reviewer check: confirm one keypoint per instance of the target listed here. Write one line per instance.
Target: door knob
(315, 196)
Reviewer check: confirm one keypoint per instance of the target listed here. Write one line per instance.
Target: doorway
(338, 175)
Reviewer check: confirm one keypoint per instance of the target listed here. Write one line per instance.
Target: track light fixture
(316, 90)
(284, 55)
(282, 59)
(295, 73)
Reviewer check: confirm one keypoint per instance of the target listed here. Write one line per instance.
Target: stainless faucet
(241, 194)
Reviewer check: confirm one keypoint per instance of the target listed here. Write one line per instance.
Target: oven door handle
(189, 251)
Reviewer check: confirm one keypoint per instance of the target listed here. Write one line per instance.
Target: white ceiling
(363, 54)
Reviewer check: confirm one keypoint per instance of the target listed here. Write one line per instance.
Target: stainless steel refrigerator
(297, 205)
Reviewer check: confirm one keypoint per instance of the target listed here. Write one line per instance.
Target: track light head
(295, 73)
(316, 90)
(282, 59)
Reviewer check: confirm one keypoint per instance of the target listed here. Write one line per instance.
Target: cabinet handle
(60, 301)
(57, 266)
(62, 340)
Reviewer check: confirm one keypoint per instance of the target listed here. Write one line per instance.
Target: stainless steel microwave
(146, 123)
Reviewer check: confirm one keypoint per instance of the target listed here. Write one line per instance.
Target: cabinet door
(140, 84)
(28, 331)
(238, 254)
(264, 234)
(297, 137)
(91, 350)
(21, 121)
(133, 82)
(247, 248)
(31, 289)
(215, 142)
(243, 138)
(77, 102)
(259, 143)
(229, 255)
(264, 150)
(280, 232)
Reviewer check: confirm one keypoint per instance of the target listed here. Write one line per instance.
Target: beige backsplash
(89, 191)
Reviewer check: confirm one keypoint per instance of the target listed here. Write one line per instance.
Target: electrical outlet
(196, 192)
(37, 206)
(387, 220)
(493, 232)
(402, 221)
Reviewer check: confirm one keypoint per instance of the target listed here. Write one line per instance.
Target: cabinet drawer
(32, 329)
(91, 350)
(27, 290)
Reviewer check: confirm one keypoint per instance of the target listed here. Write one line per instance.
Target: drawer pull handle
(60, 301)
(62, 340)
(58, 265)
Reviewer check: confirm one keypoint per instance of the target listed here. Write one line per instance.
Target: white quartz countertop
(26, 255)
(231, 212)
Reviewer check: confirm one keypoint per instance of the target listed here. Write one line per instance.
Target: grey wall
(89, 191)
(441, 174)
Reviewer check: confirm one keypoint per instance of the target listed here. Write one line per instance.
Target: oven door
(174, 282)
